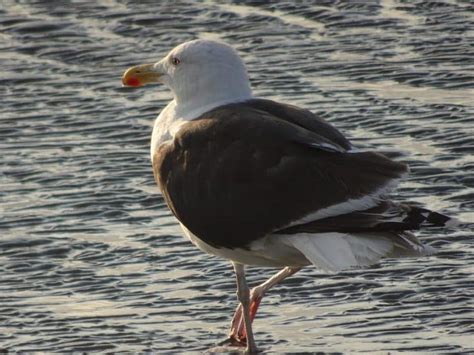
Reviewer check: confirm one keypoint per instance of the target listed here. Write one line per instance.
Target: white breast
(161, 128)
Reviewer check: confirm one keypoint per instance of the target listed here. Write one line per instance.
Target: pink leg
(238, 335)
(243, 294)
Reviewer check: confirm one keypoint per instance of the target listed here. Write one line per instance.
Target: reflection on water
(90, 257)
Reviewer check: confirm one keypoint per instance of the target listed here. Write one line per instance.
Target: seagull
(269, 184)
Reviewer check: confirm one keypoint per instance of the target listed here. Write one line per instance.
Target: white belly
(267, 251)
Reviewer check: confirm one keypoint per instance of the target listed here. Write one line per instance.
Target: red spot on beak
(132, 81)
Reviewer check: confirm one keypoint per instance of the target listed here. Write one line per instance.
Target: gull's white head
(199, 73)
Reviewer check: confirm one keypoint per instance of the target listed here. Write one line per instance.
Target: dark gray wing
(238, 173)
(303, 118)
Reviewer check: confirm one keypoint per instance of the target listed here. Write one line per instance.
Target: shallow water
(90, 257)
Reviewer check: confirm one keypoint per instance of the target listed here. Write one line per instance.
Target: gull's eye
(175, 61)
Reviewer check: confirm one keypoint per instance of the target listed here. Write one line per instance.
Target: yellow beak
(140, 75)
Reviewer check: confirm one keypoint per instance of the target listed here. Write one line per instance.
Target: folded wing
(239, 173)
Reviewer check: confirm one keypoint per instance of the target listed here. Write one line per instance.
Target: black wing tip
(430, 218)
(414, 218)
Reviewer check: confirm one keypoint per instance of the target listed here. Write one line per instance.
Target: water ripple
(92, 260)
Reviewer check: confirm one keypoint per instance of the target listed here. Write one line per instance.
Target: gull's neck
(192, 109)
(194, 99)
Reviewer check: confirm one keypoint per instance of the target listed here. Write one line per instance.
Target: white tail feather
(339, 251)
